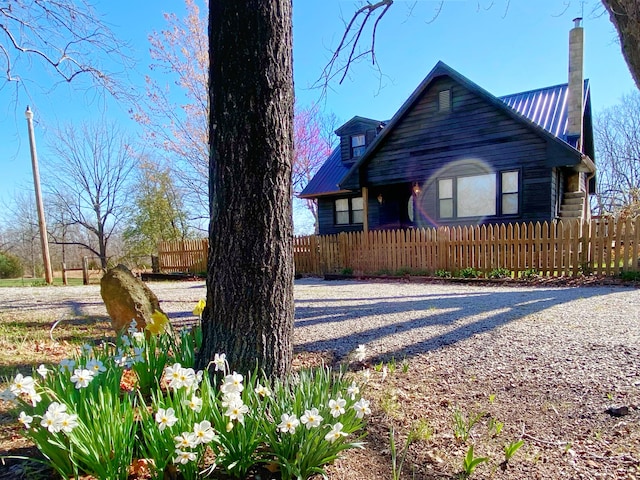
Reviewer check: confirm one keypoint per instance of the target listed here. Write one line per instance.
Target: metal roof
(325, 182)
(546, 107)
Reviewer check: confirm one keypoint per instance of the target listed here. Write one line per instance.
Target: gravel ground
(546, 362)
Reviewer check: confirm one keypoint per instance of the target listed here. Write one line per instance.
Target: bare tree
(181, 129)
(65, 36)
(617, 132)
(87, 181)
(314, 139)
(359, 38)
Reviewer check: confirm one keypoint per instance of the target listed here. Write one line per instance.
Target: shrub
(10, 266)
(529, 274)
(443, 273)
(174, 419)
(500, 273)
(630, 276)
(469, 272)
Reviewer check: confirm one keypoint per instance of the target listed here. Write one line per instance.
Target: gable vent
(444, 101)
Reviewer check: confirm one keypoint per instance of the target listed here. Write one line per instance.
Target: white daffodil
(22, 384)
(335, 433)
(184, 456)
(82, 377)
(288, 423)
(34, 397)
(138, 337)
(362, 408)
(172, 373)
(230, 398)
(186, 440)
(353, 390)
(52, 419)
(25, 419)
(68, 422)
(194, 403)
(337, 407)
(166, 418)
(96, 366)
(203, 432)
(232, 383)
(311, 418)
(42, 370)
(360, 353)
(220, 360)
(236, 411)
(262, 391)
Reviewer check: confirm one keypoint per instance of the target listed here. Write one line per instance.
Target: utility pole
(48, 274)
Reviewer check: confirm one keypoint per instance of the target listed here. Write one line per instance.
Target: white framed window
(358, 145)
(510, 188)
(349, 211)
(445, 198)
(485, 195)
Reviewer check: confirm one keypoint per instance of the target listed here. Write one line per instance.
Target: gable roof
(543, 110)
(325, 181)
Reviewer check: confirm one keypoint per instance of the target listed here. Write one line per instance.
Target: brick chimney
(575, 95)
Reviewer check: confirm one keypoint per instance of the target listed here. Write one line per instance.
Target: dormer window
(357, 145)
(444, 101)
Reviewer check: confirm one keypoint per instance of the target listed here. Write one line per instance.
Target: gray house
(454, 154)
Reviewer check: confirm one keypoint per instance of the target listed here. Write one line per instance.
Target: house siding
(474, 137)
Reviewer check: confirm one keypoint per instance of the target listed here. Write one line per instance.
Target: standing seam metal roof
(545, 107)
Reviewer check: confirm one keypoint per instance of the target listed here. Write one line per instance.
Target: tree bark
(625, 16)
(249, 313)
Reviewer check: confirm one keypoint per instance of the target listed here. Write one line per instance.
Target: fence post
(85, 270)
(155, 264)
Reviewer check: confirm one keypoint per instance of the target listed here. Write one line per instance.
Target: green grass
(29, 282)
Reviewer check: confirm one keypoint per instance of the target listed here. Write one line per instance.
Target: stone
(618, 411)
(127, 298)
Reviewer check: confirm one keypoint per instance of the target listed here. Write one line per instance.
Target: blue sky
(504, 50)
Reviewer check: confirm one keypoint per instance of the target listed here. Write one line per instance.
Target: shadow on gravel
(461, 315)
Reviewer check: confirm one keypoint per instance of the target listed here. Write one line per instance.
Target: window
(479, 195)
(445, 198)
(444, 101)
(510, 193)
(357, 145)
(349, 211)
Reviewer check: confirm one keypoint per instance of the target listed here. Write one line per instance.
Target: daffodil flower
(288, 423)
(158, 323)
(311, 418)
(337, 407)
(25, 419)
(166, 418)
(335, 433)
(199, 308)
(362, 408)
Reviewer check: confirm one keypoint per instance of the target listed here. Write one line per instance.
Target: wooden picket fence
(183, 256)
(603, 246)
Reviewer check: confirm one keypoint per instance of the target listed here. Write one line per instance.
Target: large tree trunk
(249, 313)
(625, 16)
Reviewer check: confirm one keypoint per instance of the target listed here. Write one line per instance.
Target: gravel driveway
(397, 318)
(546, 361)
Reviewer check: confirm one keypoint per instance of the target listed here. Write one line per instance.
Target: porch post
(365, 210)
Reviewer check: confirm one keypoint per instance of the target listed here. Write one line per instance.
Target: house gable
(473, 113)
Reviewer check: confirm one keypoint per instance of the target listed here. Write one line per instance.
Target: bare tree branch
(65, 36)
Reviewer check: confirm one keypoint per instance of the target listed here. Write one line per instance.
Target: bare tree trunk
(625, 16)
(249, 314)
